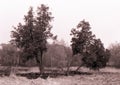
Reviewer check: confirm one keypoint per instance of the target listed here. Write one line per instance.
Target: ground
(107, 76)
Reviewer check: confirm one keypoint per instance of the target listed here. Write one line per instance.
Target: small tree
(91, 49)
(8, 55)
(115, 55)
(32, 37)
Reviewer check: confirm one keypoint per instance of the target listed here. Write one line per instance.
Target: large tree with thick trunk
(31, 37)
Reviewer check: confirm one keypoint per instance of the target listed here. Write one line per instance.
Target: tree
(82, 38)
(8, 58)
(8, 55)
(97, 57)
(93, 53)
(115, 55)
(32, 37)
(56, 56)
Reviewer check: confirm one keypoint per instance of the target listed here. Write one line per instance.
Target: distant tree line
(9, 55)
(57, 55)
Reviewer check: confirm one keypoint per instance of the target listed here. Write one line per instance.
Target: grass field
(106, 76)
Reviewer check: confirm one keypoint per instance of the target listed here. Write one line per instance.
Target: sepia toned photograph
(59, 42)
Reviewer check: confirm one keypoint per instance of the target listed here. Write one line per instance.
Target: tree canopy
(32, 36)
(94, 54)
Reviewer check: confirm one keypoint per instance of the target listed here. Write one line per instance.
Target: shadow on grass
(33, 75)
(79, 73)
(52, 75)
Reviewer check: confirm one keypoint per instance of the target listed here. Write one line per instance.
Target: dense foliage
(94, 54)
(32, 36)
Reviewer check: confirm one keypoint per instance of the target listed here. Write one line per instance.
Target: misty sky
(103, 16)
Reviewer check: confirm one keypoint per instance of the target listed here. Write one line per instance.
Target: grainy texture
(95, 79)
(106, 76)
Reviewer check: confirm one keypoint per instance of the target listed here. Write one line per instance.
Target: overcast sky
(103, 16)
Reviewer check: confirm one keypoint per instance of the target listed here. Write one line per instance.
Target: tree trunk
(79, 67)
(41, 62)
(38, 61)
(68, 66)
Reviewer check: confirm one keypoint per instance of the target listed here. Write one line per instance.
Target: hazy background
(103, 15)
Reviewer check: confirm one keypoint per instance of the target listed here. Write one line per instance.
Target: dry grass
(95, 79)
(107, 76)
